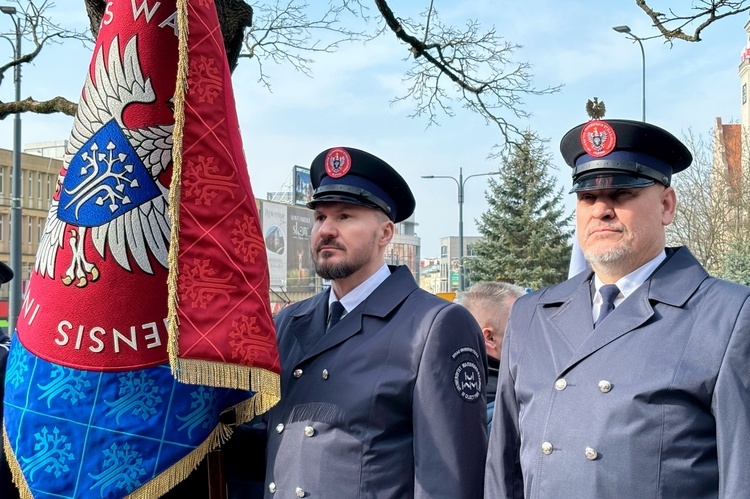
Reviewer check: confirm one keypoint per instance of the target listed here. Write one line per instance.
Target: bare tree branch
(37, 27)
(470, 65)
(283, 33)
(477, 63)
(29, 105)
(674, 26)
(713, 196)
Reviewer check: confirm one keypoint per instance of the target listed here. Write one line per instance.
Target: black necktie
(337, 310)
(609, 292)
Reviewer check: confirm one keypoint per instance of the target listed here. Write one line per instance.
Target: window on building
(2, 179)
(2, 227)
(469, 250)
(443, 251)
(39, 185)
(744, 93)
(28, 239)
(39, 227)
(49, 187)
(31, 185)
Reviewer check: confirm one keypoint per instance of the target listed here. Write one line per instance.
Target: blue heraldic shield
(105, 179)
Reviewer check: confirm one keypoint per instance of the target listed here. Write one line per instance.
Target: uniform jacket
(389, 403)
(653, 403)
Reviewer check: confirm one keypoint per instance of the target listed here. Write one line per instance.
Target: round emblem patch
(338, 162)
(468, 381)
(598, 138)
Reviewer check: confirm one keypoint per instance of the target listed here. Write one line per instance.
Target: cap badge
(338, 162)
(598, 138)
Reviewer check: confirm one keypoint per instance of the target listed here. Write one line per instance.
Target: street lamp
(14, 306)
(460, 183)
(628, 34)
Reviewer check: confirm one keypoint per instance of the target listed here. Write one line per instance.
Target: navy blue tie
(337, 310)
(609, 292)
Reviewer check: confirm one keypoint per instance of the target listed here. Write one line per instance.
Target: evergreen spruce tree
(525, 230)
(736, 265)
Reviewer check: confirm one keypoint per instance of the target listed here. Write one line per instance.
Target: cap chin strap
(631, 167)
(348, 190)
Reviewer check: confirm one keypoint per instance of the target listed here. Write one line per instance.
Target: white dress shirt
(626, 284)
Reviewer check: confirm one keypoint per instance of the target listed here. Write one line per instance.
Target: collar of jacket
(314, 340)
(380, 303)
(673, 282)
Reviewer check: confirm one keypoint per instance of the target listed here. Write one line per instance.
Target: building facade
(38, 181)
(450, 261)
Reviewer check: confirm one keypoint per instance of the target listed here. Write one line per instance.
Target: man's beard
(343, 269)
(612, 259)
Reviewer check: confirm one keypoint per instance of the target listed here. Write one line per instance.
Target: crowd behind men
(490, 304)
(629, 379)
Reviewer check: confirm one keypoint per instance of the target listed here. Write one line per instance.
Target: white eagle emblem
(597, 138)
(111, 186)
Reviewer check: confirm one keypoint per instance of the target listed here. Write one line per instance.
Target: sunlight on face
(621, 229)
(344, 239)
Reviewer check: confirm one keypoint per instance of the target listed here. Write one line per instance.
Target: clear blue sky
(347, 101)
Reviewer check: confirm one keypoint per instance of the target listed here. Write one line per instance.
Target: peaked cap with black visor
(348, 175)
(6, 273)
(620, 154)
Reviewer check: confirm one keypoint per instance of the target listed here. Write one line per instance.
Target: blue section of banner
(105, 179)
(102, 434)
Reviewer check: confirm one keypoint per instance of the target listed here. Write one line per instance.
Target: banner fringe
(265, 384)
(176, 184)
(169, 478)
(15, 470)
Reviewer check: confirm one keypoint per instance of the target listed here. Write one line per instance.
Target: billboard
(275, 236)
(300, 275)
(303, 189)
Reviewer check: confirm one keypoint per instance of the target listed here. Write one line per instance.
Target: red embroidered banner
(220, 316)
(97, 294)
(152, 252)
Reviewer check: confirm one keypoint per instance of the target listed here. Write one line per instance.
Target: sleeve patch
(465, 350)
(468, 381)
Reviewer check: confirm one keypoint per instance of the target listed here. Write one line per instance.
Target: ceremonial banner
(147, 314)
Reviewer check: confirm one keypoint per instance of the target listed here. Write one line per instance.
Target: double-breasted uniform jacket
(389, 403)
(655, 402)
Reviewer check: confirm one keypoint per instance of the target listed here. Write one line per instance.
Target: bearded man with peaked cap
(383, 390)
(631, 378)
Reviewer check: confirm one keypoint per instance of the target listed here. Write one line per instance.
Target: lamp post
(14, 305)
(626, 31)
(460, 183)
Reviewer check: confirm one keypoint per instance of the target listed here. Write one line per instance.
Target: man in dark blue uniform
(631, 378)
(383, 390)
(7, 489)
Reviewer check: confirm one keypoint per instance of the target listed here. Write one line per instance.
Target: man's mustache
(614, 227)
(328, 242)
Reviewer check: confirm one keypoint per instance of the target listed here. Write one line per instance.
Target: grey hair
(491, 292)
